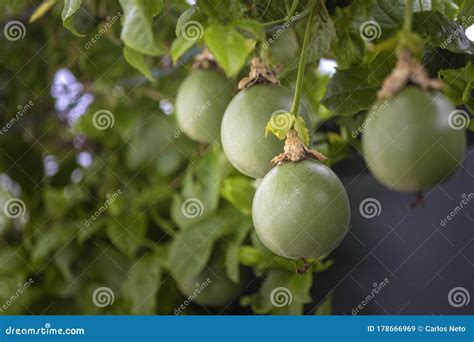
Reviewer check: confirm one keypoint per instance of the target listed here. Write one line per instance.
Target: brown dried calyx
(295, 150)
(259, 73)
(204, 60)
(408, 68)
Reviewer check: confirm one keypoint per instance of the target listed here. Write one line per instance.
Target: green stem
(302, 64)
(408, 16)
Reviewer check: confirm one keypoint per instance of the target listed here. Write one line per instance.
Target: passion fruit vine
(408, 144)
(200, 104)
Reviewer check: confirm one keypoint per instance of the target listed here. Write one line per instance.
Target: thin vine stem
(302, 63)
(407, 24)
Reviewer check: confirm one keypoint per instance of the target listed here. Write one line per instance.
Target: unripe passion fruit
(408, 144)
(301, 210)
(212, 287)
(243, 127)
(200, 104)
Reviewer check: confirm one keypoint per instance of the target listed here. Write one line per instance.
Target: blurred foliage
(103, 207)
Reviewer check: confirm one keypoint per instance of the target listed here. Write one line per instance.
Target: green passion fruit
(200, 103)
(408, 143)
(301, 210)
(212, 287)
(243, 127)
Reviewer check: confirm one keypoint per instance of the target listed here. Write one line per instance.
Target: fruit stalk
(302, 63)
(407, 24)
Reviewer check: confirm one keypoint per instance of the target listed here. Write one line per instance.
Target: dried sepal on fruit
(259, 73)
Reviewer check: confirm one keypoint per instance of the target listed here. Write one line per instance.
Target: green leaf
(137, 60)
(349, 92)
(191, 250)
(239, 191)
(137, 27)
(466, 13)
(280, 124)
(302, 130)
(142, 284)
(52, 240)
(322, 38)
(127, 232)
(281, 293)
(442, 32)
(240, 232)
(199, 197)
(70, 9)
(459, 84)
(41, 10)
(179, 47)
(228, 46)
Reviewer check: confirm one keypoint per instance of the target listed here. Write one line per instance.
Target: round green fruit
(243, 127)
(408, 143)
(200, 103)
(301, 210)
(285, 48)
(212, 287)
